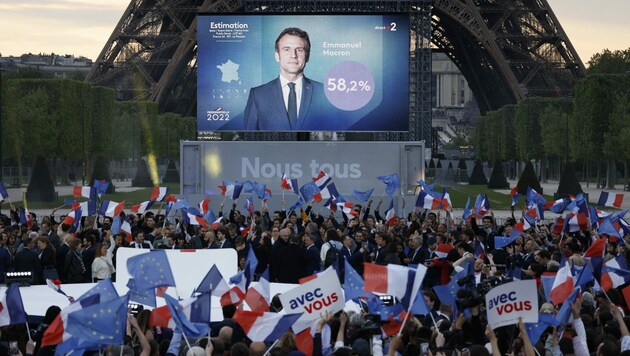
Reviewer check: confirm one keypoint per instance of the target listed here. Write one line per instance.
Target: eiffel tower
(507, 50)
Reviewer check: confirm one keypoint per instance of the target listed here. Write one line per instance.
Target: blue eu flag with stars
(103, 323)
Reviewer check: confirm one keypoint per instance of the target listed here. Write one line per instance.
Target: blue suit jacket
(265, 110)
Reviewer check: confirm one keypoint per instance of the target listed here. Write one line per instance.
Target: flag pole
(186, 339)
(28, 330)
(270, 347)
(405, 320)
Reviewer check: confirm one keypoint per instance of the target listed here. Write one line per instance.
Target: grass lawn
(498, 201)
(130, 198)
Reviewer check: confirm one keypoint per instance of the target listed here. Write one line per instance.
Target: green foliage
(477, 177)
(528, 179)
(595, 98)
(494, 135)
(527, 128)
(41, 186)
(497, 178)
(75, 121)
(610, 62)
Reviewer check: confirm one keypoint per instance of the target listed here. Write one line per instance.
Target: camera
(474, 295)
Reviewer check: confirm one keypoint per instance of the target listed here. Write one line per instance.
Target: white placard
(314, 297)
(507, 302)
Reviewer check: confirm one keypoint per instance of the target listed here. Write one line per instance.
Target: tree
(171, 175)
(41, 186)
(477, 177)
(497, 178)
(528, 179)
(610, 62)
(568, 183)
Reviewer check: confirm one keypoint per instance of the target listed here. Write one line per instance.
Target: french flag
(73, 216)
(192, 219)
(346, 208)
(557, 206)
(562, 285)
(427, 200)
(610, 199)
(196, 309)
(118, 226)
(4, 195)
(615, 273)
(576, 222)
(111, 208)
(232, 190)
(322, 179)
(12, 309)
(56, 333)
(142, 207)
(442, 250)
(262, 327)
(594, 256)
(289, 184)
(215, 284)
(259, 294)
(215, 225)
(204, 206)
(249, 206)
(558, 226)
(326, 193)
(446, 201)
(86, 192)
(159, 193)
(390, 215)
(392, 279)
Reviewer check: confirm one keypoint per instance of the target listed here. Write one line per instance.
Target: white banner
(507, 302)
(315, 297)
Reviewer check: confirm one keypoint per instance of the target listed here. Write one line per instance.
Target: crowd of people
(294, 245)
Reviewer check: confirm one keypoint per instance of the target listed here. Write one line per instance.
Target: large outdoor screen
(258, 72)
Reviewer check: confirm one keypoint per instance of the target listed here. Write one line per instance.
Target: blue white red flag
(262, 327)
(322, 179)
(289, 184)
(610, 199)
(159, 193)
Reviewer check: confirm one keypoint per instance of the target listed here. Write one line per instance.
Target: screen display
(303, 72)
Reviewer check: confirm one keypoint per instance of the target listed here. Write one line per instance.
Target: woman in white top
(102, 267)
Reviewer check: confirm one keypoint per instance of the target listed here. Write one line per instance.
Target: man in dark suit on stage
(291, 101)
(313, 262)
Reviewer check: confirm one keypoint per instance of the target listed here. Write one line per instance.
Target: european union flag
(308, 189)
(564, 314)
(259, 189)
(353, 284)
(391, 182)
(104, 289)
(447, 293)
(608, 228)
(298, 203)
(535, 330)
(425, 186)
(100, 186)
(186, 326)
(3, 192)
(362, 196)
(103, 323)
(143, 296)
(181, 204)
(150, 270)
(419, 306)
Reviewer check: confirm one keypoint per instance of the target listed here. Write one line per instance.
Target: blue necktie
(292, 107)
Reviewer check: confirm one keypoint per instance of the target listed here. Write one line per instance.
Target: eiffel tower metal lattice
(506, 49)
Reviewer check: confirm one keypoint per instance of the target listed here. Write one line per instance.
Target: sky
(82, 27)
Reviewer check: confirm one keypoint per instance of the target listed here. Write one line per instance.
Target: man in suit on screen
(292, 101)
